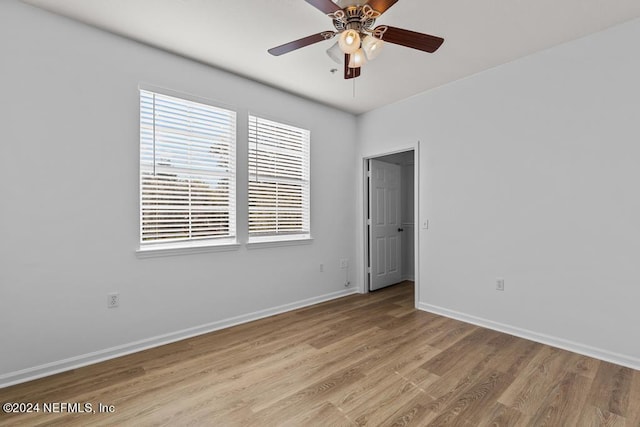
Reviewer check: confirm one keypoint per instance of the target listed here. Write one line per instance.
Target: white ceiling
(235, 34)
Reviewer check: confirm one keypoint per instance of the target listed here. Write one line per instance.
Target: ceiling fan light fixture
(358, 40)
(357, 59)
(349, 41)
(372, 47)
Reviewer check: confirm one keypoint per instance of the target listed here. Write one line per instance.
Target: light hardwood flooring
(360, 360)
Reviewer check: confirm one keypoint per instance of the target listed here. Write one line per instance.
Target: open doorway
(390, 231)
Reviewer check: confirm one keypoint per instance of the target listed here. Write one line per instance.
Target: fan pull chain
(354, 87)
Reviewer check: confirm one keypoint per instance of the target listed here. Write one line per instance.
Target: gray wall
(529, 171)
(69, 191)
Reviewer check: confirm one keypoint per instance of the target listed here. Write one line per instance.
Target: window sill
(185, 248)
(274, 242)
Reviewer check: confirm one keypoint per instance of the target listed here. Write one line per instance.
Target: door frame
(363, 285)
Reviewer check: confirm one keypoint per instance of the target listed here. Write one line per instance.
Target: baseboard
(409, 278)
(75, 362)
(597, 353)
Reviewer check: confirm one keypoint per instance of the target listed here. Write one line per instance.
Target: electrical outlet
(500, 284)
(321, 268)
(344, 263)
(347, 284)
(113, 300)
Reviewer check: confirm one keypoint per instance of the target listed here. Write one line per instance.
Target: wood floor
(360, 360)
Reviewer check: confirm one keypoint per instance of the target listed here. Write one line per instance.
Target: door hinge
(369, 221)
(369, 174)
(369, 270)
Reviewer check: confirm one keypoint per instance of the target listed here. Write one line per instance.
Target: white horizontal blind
(187, 170)
(278, 179)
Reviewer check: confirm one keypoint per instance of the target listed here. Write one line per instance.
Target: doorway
(390, 232)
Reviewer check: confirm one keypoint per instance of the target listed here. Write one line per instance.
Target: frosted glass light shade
(372, 47)
(357, 59)
(336, 53)
(349, 41)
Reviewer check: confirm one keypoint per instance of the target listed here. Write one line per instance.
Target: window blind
(187, 170)
(278, 179)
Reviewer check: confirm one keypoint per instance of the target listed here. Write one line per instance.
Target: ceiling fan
(358, 40)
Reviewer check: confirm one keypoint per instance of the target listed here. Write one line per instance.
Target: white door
(385, 229)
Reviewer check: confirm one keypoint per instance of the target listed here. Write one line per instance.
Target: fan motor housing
(354, 19)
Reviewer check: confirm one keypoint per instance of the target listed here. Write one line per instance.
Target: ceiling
(234, 35)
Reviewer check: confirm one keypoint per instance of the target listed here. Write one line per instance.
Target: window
(187, 171)
(278, 181)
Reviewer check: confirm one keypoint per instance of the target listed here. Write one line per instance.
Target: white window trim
(150, 250)
(276, 240)
(188, 247)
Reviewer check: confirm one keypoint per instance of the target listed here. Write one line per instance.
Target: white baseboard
(410, 278)
(75, 362)
(586, 350)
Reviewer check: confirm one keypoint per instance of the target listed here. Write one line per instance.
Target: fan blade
(325, 6)
(297, 44)
(350, 73)
(408, 38)
(381, 5)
